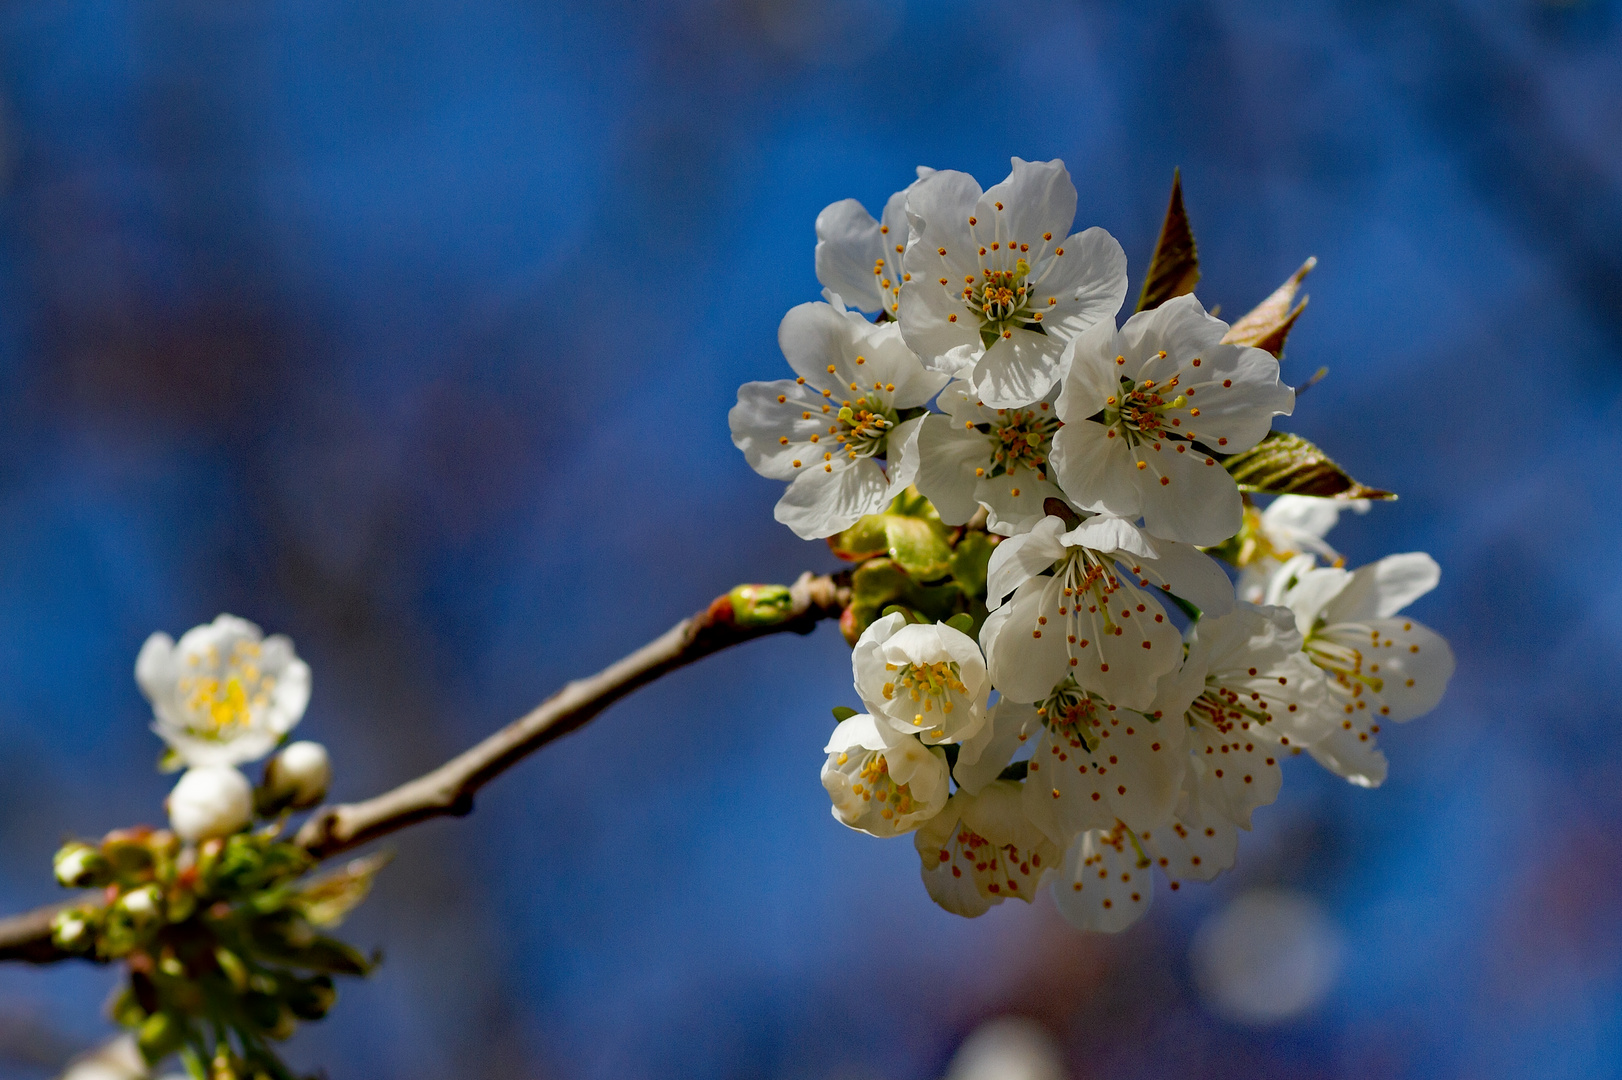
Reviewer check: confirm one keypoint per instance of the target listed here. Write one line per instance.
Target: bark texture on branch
(449, 789)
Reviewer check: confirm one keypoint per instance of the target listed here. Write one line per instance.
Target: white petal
(1234, 772)
(901, 448)
(1090, 375)
(1351, 751)
(982, 758)
(981, 850)
(1195, 845)
(1094, 467)
(1190, 573)
(881, 357)
(1016, 501)
(1384, 588)
(1305, 590)
(1109, 534)
(848, 243)
(820, 503)
(1186, 494)
(155, 670)
(1105, 882)
(1412, 662)
(760, 422)
(1088, 281)
(949, 455)
(1018, 369)
(1038, 197)
(1019, 558)
(1025, 666)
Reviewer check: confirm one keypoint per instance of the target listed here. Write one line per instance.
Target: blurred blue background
(409, 329)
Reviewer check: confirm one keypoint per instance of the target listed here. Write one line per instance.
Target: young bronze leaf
(328, 898)
(1175, 268)
(1285, 464)
(1269, 323)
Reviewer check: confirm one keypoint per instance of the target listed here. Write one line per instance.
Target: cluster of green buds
(908, 560)
(221, 940)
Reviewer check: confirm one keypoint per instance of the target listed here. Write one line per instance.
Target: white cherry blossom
(982, 849)
(225, 693)
(972, 455)
(1095, 764)
(1090, 619)
(1106, 880)
(1254, 698)
(995, 283)
(860, 258)
(882, 782)
(1291, 525)
(827, 429)
(1146, 409)
(923, 679)
(1380, 666)
(1197, 843)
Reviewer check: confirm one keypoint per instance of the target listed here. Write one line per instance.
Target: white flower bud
(298, 775)
(209, 801)
(79, 865)
(141, 904)
(68, 929)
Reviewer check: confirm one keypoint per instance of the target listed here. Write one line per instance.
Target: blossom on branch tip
(1091, 619)
(1379, 666)
(859, 258)
(982, 849)
(924, 679)
(1148, 409)
(225, 693)
(882, 782)
(828, 429)
(972, 455)
(996, 284)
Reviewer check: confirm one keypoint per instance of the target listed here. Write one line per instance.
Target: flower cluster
(1060, 682)
(215, 920)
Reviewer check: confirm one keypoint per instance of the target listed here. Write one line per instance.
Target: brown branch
(449, 789)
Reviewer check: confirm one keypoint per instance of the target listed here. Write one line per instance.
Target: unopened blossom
(1381, 666)
(225, 693)
(1291, 525)
(972, 455)
(210, 801)
(828, 429)
(982, 849)
(860, 258)
(1255, 698)
(1091, 619)
(996, 284)
(298, 775)
(1148, 409)
(925, 679)
(1095, 763)
(882, 782)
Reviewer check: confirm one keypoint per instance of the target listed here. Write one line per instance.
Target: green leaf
(962, 622)
(862, 540)
(1175, 268)
(880, 584)
(919, 546)
(331, 896)
(969, 561)
(1285, 464)
(843, 713)
(1269, 323)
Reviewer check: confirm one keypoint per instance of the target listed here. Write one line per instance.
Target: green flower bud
(80, 866)
(70, 931)
(141, 906)
(760, 605)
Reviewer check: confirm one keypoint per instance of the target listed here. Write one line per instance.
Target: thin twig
(449, 789)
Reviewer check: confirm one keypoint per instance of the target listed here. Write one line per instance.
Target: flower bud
(297, 777)
(141, 905)
(70, 931)
(80, 866)
(211, 800)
